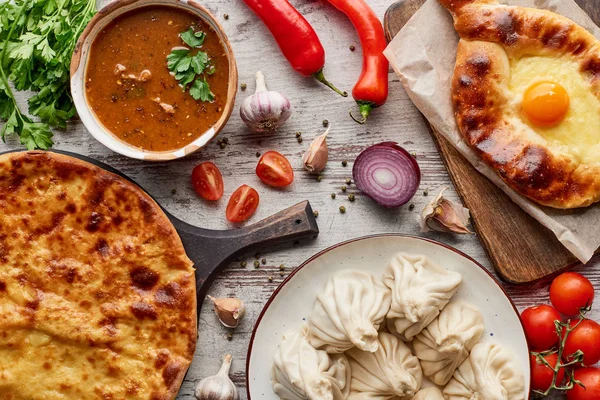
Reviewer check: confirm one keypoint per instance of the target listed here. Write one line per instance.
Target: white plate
(293, 301)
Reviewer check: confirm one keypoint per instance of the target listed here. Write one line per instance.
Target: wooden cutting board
(520, 248)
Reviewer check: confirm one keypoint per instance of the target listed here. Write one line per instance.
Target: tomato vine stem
(563, 329)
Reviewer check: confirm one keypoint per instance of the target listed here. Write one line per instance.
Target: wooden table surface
(398, 120)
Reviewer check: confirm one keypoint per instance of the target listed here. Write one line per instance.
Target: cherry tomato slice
(208, 181)
(274, 169)
(590, 378)
(539, 326)
(541, 375)
(586, 337)
(570, 292)
(242, 204)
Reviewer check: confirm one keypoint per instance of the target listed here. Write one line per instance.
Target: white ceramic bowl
(79, 65)
(293, 301)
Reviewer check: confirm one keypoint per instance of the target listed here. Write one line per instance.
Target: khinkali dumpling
(390, 372)
(420, 290)
(490, 373)
(447, 341)
(348, 312)
(430, 393)
(302, 372)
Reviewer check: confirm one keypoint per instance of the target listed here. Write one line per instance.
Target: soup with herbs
(157, 77)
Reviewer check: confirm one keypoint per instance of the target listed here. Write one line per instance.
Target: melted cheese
(579, 133)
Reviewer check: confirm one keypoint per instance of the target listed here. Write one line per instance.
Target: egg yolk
(546, 103)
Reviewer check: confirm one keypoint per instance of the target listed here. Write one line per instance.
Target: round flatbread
(97, 295)
(502, 52)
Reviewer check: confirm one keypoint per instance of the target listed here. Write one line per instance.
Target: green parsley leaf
(31, 38)
(54, 108)
(37, 39)
(184, 64)
(193, 39)
(199, 62)
(185, 78)
(175, 57)
(11, 125)
(23, 52)
(36, 135)
(46, 51)
(187, 66)
(7, 106)
(201, 91)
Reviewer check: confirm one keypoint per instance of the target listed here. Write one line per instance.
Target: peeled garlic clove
(218, 387)
(230, 310)
(443, 215)
(315, 158)
(266, 110)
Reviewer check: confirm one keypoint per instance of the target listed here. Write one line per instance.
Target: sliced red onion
(387, 173)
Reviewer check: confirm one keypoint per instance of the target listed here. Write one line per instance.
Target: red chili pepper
(297, 40)
(371, 90)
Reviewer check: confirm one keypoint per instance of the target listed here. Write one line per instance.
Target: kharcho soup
(157, 77)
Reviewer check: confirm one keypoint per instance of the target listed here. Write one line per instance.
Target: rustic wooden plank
(398, 120)
(496, 218)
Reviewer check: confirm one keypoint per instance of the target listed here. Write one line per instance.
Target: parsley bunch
(187, 66)
(37, 38)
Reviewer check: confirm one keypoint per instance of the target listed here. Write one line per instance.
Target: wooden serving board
(519, 247)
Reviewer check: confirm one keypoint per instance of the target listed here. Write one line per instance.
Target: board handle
(211, 249)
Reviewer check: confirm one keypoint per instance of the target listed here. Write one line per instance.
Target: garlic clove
(265, 110)
(443, 215)
(229, 310)
(218, 387)
(315, 158)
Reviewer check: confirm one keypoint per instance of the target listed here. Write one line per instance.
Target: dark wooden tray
(519, 247)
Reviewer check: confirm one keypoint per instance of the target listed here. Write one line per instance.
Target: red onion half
(387, 173)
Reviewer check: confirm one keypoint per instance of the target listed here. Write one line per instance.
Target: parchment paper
(423, 54)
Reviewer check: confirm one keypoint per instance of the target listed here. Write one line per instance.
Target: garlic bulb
(229, 310)
(443, 215)
(218, 387)
(315, 158)
(265, 110)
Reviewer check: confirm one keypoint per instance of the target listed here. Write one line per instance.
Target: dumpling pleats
(490, 373)
(390, 372)
(348, 312)
(301, 372)
(430, 393)
(420, 290)
(447, 341)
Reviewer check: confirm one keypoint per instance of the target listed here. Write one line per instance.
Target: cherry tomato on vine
(242, 204)
(208, 181)
(541, 375)
(539, 326)
(590, 378)
(274, 169)
(570, 292)
(586, 337)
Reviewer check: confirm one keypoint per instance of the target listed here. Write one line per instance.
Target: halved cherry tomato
(590, 378)
(539, 326)
(274, 169)
(570, 292)
(208, 181)
(586, 337)
(242, 204)
(541, 375)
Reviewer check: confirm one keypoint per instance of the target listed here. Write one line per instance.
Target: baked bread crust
(492, 35)
(97, 295)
